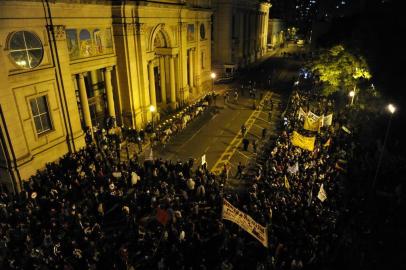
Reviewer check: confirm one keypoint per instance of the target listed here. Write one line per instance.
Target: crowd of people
(93, 211)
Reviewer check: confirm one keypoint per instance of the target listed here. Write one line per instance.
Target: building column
(151, 78)
(109, 92)
(172, 81)
(191, 68)
(163, 78)
(84, 102)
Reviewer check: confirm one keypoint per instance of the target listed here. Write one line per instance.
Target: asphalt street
(217, 133)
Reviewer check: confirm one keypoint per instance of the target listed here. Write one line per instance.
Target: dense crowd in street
(93, 211)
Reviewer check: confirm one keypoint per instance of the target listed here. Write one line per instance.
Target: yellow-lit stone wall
(157, 53)
(240, 31)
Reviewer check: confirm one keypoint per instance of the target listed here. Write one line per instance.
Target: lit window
(26, 49)
(40, 113)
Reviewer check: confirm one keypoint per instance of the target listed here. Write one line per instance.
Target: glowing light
(391, 108)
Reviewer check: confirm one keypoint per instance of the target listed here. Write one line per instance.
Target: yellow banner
(304, 142)
(311, 124)
(246, 222)
(287, 185)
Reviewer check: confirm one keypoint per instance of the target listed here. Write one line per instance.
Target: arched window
(26, 49)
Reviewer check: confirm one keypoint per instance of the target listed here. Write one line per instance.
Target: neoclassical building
(276, 32)
(67, 65)
(240, 33)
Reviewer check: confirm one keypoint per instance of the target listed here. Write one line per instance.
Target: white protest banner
(294, 168)
(246, 222)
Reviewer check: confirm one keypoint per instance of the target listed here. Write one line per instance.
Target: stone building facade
(276, 32)
(67, 65)
(240, 33)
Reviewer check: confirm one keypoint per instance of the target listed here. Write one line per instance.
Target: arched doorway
(159, 69)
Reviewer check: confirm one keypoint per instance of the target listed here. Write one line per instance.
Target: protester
(92, 211)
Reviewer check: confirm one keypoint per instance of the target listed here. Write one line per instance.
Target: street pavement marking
(244, 155)
(259, 118)
(233, 146)
(258, 126)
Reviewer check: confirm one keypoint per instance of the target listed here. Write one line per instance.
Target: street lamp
(392, 109)
(213, 76)
(352, 95)
(152, 109)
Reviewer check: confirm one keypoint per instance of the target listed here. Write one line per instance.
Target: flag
(294, 168)
(346, 129)
(327, 143)
(303, 142)
(322, 196)
(301, 113)
(246, 222)
(162, 216)
(311, 124)
(287, 185)
(328, 120)
(313, 116)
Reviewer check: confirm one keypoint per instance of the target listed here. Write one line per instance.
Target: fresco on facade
(190, 32)
(98, 44)
(73, 44)
(85, 40)
(88, 42)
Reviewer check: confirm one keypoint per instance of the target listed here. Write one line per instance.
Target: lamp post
(213, 76)
(392, 109)
(352, 95)
(152, 109)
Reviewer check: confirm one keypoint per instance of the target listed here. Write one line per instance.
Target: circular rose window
(202, 31)
(26, 49)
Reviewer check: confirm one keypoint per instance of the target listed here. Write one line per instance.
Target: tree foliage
(339, 69)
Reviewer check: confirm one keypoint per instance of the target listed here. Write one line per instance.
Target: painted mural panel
(73, 44)
(190, 32)
(83, 43)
